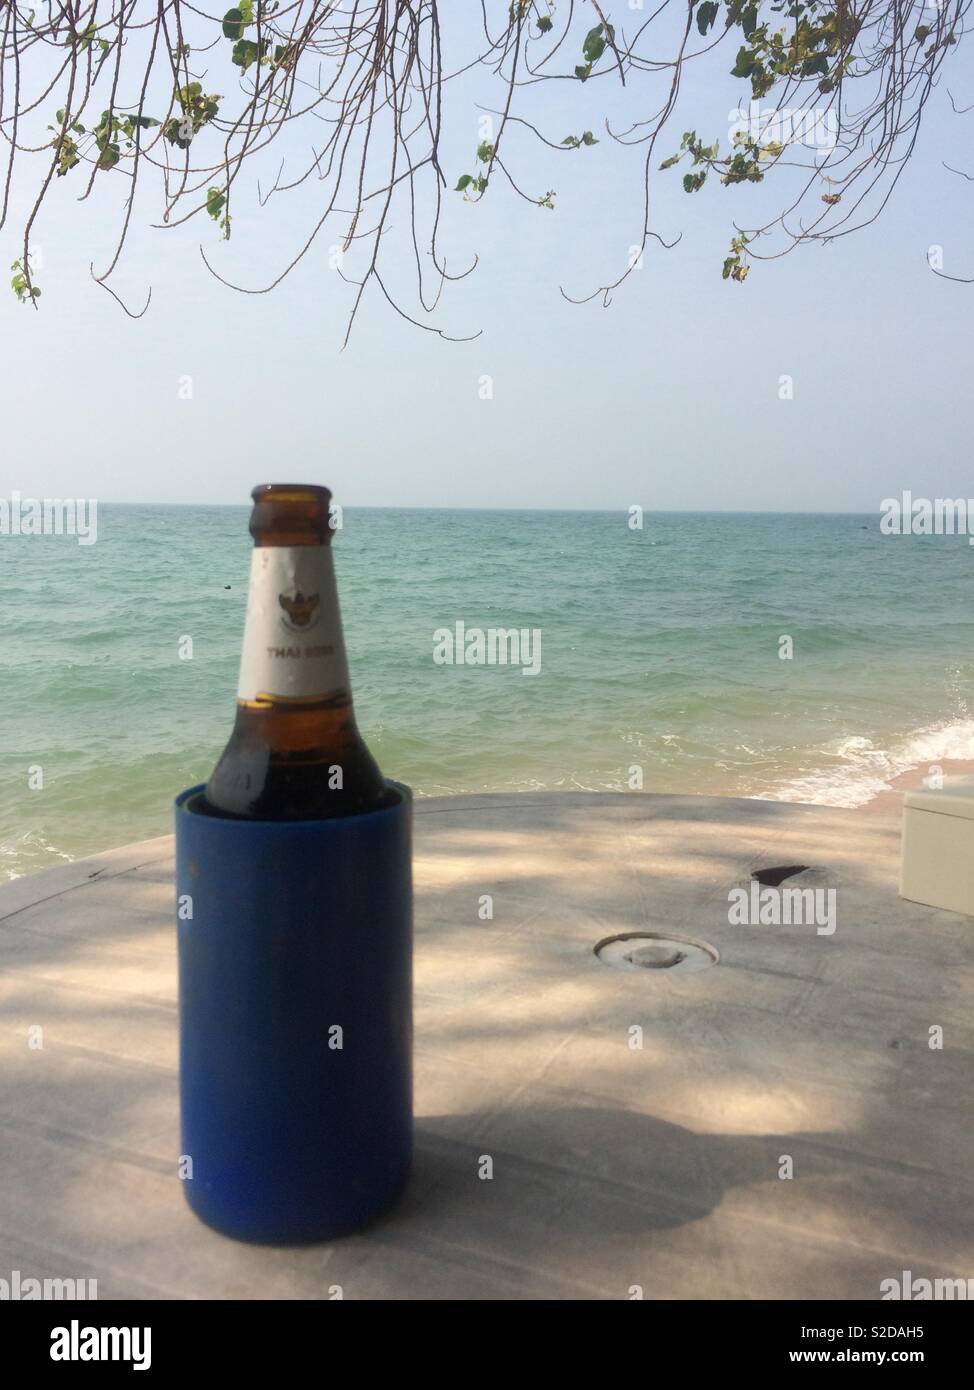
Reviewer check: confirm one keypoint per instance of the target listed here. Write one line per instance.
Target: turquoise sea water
(659, 648)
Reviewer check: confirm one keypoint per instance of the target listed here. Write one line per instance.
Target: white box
(938, 846)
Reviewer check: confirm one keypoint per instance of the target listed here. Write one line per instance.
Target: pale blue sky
(668, 399)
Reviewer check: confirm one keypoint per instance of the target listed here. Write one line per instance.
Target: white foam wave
(29, 852)
(864, 770)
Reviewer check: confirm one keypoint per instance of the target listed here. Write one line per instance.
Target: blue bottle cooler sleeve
(295, 1007)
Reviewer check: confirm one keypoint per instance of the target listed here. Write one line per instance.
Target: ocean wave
(27, 853)
(865, 770)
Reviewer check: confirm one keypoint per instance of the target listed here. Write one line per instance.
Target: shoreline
(889, 802)
(886, 804)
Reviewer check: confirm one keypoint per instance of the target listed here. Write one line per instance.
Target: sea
(792, 657)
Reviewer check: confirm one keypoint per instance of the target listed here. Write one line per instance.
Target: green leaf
(233, 25)
(594, 45)
(244, 53)
(749, 20)
(706, 14)
(582, 72)
(668, 163)
(465, 181)
(545, 24)
(575, 142)
(745, 64)
(109, 157)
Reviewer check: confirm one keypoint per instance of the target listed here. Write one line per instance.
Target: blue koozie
(295, 1009)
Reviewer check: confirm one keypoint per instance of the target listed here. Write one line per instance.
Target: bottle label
(293, 647)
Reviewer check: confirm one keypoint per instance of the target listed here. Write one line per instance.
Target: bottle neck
(293, 649)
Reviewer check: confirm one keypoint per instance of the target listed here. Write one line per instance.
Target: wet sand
(890, 803)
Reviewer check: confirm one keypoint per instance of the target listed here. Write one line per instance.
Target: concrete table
(616, 1168)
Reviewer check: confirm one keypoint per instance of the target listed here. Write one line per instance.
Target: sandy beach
(890, 802)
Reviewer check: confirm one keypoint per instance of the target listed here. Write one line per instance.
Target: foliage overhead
(160, 91)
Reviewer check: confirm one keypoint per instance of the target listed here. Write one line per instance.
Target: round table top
(780, 1123)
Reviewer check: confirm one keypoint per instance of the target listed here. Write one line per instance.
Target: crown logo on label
(301, 611)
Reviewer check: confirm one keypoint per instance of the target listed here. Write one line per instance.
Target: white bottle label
(293, 647)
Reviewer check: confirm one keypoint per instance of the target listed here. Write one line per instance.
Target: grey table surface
(617, 1171)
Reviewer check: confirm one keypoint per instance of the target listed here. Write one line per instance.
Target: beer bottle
(295, 752)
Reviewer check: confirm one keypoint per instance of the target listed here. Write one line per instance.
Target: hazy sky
(668, 399)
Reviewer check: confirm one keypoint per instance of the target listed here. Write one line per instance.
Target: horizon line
(660, 511)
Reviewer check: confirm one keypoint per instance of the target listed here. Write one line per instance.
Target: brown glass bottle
(295, 752)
